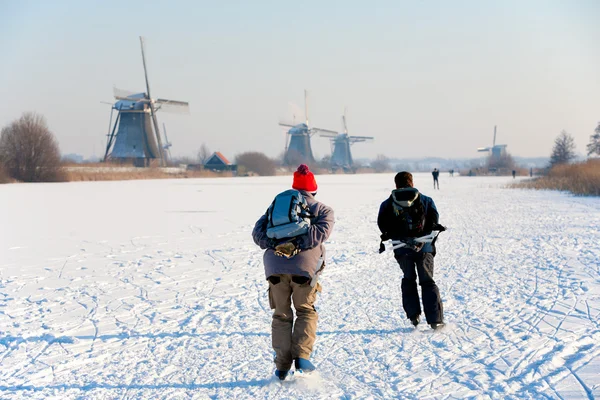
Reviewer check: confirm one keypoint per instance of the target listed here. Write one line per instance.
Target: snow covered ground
(154, 289)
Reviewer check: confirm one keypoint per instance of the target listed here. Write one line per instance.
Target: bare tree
(594, 146)
(203, 154)
(4, 178)
(325, 162)
(381, 163)
(256, 162)
(504, 161)
(564, 149)
(29, 150)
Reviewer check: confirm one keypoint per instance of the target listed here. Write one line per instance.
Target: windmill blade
(133, 99)
(356, 139)
(329, 135)
(167, 143)
(173, 106)
(344, 120)
(153, 111)
(121, 94)
(173, 102)
(361, 137)
(306, 106)
(286, 125)
(320, 130)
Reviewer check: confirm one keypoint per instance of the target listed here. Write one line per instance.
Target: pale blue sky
(426, 78)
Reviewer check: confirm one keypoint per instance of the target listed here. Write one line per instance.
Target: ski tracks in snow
(187, 316)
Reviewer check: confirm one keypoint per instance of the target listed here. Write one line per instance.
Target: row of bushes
(581, 178)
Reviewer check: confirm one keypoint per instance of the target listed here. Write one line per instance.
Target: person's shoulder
(318, 206)
(425, 199)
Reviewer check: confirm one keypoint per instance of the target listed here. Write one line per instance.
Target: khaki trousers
(292, 340)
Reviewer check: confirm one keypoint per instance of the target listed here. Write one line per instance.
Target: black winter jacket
(386, 221)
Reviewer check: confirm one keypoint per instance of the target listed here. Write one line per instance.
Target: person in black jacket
(436, 176)
(409, 214)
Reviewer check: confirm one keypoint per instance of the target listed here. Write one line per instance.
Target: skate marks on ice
(521, 294)
(149, 320)
(187, 315)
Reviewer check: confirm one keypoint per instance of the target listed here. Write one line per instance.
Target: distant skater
(436, 175)
(514, 173)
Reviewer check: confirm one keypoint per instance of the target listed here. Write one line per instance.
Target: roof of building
(217, 158)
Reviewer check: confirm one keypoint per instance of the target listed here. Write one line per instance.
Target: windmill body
(298, 149)
(341, 157)
(134, 137)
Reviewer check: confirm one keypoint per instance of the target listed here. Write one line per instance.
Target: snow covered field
(155, 290)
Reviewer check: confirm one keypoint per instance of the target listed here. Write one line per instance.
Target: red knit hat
(304, 179)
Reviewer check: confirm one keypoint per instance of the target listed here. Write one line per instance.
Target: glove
(438, 227)
(287, 250)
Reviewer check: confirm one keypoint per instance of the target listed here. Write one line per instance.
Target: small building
(218, 162)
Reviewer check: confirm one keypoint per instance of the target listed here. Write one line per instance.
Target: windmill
(297, 145)
(341, 156)
(135, 135)
(496, 150)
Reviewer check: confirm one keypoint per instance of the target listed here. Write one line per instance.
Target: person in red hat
(292, 268)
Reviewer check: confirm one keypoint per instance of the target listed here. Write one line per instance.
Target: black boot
(438, 326)
(415, 320)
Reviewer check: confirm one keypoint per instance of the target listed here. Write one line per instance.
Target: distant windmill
(135, 135)
(341, 156)
(497, 150)
(297, 146)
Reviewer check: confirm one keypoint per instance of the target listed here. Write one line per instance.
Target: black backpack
(409, 213)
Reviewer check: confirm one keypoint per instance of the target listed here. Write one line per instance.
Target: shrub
(381, 163)
(255, 162)
(580, 178)
(29, 150)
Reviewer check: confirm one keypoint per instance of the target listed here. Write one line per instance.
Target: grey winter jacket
(311, 244)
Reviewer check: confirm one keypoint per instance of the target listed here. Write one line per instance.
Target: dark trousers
(436, 181)
(421, 264)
